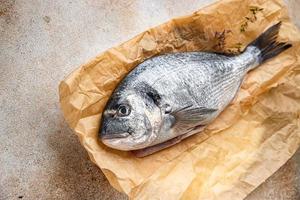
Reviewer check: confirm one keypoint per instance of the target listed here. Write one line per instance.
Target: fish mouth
(124, 142)
(119, 143)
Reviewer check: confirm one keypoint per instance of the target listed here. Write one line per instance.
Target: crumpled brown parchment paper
(245, 145)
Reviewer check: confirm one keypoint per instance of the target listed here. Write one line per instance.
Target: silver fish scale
(170, 97)
(196, 79)
(193, 78)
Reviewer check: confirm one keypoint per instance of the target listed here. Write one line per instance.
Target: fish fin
(268, 45)
(158, 147)
(187, 118)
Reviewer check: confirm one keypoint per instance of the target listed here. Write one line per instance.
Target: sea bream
(170, 97)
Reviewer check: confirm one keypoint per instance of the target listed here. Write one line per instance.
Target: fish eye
(123, 110)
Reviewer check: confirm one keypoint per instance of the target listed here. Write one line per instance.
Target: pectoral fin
(186, 120)
(188, 117)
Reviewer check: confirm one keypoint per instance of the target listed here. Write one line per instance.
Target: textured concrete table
(40, 43)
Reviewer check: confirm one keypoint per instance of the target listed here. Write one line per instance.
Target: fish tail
(268, 45)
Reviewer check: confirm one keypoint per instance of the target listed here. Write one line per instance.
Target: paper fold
(247, 143)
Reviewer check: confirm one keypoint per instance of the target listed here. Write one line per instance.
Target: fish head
(130, 121)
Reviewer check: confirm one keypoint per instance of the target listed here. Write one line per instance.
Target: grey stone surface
(40, 43)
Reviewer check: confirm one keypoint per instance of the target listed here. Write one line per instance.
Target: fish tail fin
(268, 45)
